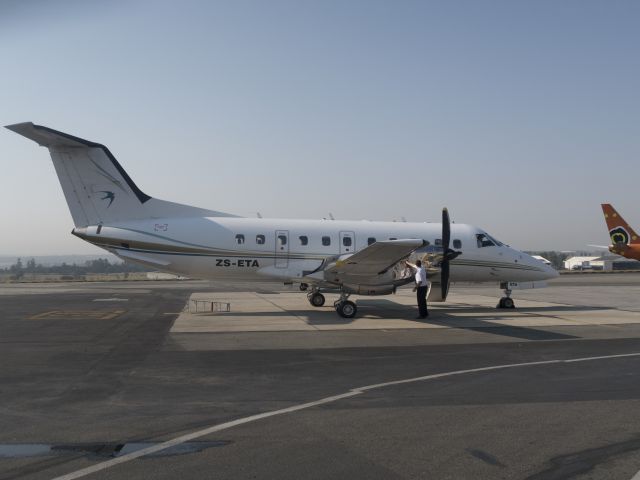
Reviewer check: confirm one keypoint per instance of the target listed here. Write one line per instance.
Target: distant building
(607, 263)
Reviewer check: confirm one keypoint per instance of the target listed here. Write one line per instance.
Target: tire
(507, 302)
(317, 299)
(347, 309)
(303, 287)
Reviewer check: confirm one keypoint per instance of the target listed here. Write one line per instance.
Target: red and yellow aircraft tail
(624, 240)
(619, 230)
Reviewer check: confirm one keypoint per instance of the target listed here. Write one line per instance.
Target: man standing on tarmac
(421, 288)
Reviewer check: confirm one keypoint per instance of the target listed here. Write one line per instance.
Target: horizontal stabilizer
(46, 137)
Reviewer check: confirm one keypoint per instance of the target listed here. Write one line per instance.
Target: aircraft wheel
(317, 299)
(303, 287)
(506, 302)
(347, 309)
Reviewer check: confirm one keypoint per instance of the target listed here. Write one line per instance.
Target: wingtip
(15, 127)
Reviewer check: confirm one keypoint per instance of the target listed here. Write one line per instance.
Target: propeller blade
(447, 253)
(446, 229)
(444, 279)
(450, 255)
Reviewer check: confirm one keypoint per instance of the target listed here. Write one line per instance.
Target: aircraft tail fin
(619, 230)
(97, 189)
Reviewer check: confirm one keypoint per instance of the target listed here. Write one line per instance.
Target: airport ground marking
(334, 398)
(77, 314)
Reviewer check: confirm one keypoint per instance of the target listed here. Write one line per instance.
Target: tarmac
(119, 380)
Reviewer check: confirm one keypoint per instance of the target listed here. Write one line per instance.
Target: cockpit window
(497, 242)
(484, 240)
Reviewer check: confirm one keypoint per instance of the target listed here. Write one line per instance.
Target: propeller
(447, 253)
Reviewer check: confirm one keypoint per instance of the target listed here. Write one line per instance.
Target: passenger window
(371, 240)
(326, 241)
(239, 239)
(438, 242)
(457, 243)
(346, 241)
(304, 240)
(282, 240)
(260, 239)
(484, 240)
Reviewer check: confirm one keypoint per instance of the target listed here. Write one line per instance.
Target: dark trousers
(421, 294)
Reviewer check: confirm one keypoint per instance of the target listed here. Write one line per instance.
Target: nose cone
(551, 272)
(542, 270)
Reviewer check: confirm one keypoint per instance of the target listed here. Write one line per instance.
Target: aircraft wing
(374, 260)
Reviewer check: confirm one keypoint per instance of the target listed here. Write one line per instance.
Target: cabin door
(282, 249)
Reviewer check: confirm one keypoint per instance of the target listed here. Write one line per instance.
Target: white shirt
(421, 276)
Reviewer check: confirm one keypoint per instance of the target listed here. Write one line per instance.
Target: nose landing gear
(506, 301)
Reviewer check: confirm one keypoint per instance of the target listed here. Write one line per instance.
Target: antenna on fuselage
(258, 214)
(331, 216)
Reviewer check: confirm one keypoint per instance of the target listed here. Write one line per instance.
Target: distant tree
(31, 265)
(100, 265)
(17, 269)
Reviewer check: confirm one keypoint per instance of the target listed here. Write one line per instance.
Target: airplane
(336, 256)
(624, 241)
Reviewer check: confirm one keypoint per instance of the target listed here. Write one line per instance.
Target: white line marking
(587, 359)
(351, 393)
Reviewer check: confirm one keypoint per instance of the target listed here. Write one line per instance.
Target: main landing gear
(345, 308)
(506, 301)
(316, 299)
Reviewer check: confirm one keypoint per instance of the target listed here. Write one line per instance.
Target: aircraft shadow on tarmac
(476, 318)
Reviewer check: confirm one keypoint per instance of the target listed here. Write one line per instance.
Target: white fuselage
(245, 249)
(362, 257)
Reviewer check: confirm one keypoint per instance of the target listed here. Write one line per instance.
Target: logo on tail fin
(111, 197)
(619, 235)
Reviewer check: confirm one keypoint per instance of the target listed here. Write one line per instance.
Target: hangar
(607, 263)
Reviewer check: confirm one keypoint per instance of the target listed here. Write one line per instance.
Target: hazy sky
(521, 117)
